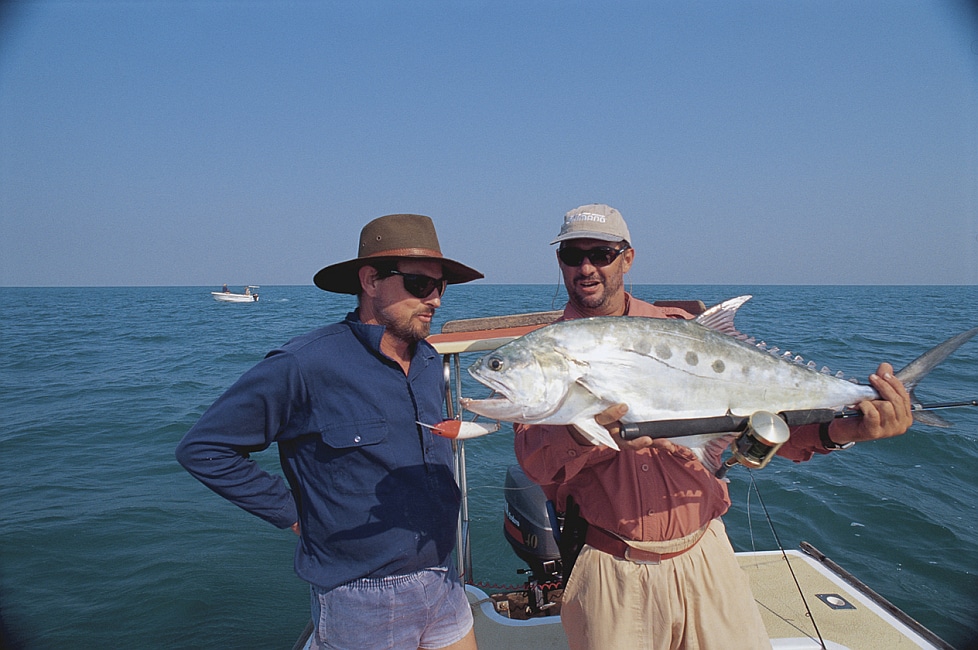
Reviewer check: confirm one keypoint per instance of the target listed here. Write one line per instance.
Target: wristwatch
(827, 442)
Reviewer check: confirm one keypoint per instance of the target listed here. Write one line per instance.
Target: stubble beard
(405, 328)
(610, 286)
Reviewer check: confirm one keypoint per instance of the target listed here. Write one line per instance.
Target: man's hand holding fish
(570, 387)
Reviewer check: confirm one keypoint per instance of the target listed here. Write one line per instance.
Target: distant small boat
(227, 296)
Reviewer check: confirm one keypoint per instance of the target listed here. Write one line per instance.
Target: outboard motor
(528, 528)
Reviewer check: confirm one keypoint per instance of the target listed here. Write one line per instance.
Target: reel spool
(756, 446)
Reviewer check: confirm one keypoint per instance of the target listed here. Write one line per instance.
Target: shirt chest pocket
(354, 457)
(351, 435)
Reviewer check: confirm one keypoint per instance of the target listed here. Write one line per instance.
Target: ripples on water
(107, 542)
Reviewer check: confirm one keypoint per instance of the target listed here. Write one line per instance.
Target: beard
(611, 285)
(407, 327)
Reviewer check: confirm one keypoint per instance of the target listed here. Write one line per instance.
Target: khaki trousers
(700, 600)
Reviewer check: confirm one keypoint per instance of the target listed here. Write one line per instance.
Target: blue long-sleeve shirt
(373, 491)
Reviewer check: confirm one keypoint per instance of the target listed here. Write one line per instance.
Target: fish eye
(495, 363)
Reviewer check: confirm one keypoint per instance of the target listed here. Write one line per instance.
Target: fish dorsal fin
(721, 317)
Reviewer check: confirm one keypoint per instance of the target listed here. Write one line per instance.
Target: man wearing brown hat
(656, 569)
(373, 496)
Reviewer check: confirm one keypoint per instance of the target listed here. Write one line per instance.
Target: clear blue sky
(196, 143)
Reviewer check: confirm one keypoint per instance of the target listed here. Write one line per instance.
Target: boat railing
(474, 335)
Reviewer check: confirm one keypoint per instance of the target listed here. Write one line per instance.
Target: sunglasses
(599, 255)
(418, 285)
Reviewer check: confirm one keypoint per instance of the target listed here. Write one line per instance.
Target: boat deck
(848, 615)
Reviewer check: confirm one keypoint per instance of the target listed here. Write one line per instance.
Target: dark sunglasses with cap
(598, 256)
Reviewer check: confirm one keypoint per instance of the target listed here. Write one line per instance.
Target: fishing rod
(762, 433)
(734, 423)
(463, 430)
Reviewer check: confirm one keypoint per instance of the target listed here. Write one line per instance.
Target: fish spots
(643, 347)
(693, 359)
(663, 351)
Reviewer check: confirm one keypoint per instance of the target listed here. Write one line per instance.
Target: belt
(611, 544)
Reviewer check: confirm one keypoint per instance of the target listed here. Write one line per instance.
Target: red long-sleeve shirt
(645, 495)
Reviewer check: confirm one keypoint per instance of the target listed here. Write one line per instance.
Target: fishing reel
(759, 442)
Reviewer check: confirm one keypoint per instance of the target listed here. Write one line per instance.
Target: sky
(152, 143)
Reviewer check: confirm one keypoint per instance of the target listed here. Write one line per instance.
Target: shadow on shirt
(417, 501)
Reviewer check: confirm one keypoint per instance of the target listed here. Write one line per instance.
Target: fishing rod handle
(679, 428)
(718, 424)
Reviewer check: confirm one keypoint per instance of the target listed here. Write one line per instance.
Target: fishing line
(553, 301)
(777, 539)
(502, 488)
(750, 520)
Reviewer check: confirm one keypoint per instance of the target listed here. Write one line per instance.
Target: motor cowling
(527, 525)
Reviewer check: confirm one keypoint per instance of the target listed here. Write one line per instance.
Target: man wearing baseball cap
(595, 253)
(371, 493)
(655, 568)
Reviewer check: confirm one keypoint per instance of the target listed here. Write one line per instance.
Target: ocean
(105, 541)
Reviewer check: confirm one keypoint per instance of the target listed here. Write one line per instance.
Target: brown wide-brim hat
(393, 237)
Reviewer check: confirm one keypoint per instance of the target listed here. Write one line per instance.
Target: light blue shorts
(427, 609)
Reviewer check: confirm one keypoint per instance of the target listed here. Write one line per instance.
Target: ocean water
(105, 542)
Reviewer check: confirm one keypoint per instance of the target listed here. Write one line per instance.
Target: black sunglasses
(418, 285)
(599, 255)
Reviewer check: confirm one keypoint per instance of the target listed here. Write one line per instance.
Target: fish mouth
(506, 409)
(503, 403)
(492, 403)
(494, 385)
(498, 396)
(497, 409)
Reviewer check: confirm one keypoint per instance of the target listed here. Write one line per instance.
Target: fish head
(532, 379)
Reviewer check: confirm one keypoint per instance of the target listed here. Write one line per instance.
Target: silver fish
(663, 369)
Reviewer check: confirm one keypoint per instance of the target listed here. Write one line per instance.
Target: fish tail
(922, 365)
(916, 370)
(929, 418)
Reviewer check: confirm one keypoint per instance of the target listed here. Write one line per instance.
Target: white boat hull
(220, 296)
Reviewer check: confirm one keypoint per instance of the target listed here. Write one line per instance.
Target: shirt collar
(370, 336)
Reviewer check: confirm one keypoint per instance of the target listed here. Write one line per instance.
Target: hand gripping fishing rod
(761, 434)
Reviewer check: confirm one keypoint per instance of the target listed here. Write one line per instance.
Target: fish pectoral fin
(587, 425)
(594, 432)
(594, 388)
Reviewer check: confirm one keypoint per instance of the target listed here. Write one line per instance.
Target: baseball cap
(594, 221)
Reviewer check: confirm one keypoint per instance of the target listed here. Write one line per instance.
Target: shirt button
(571, 452)
(357, 439)
(645, 468)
